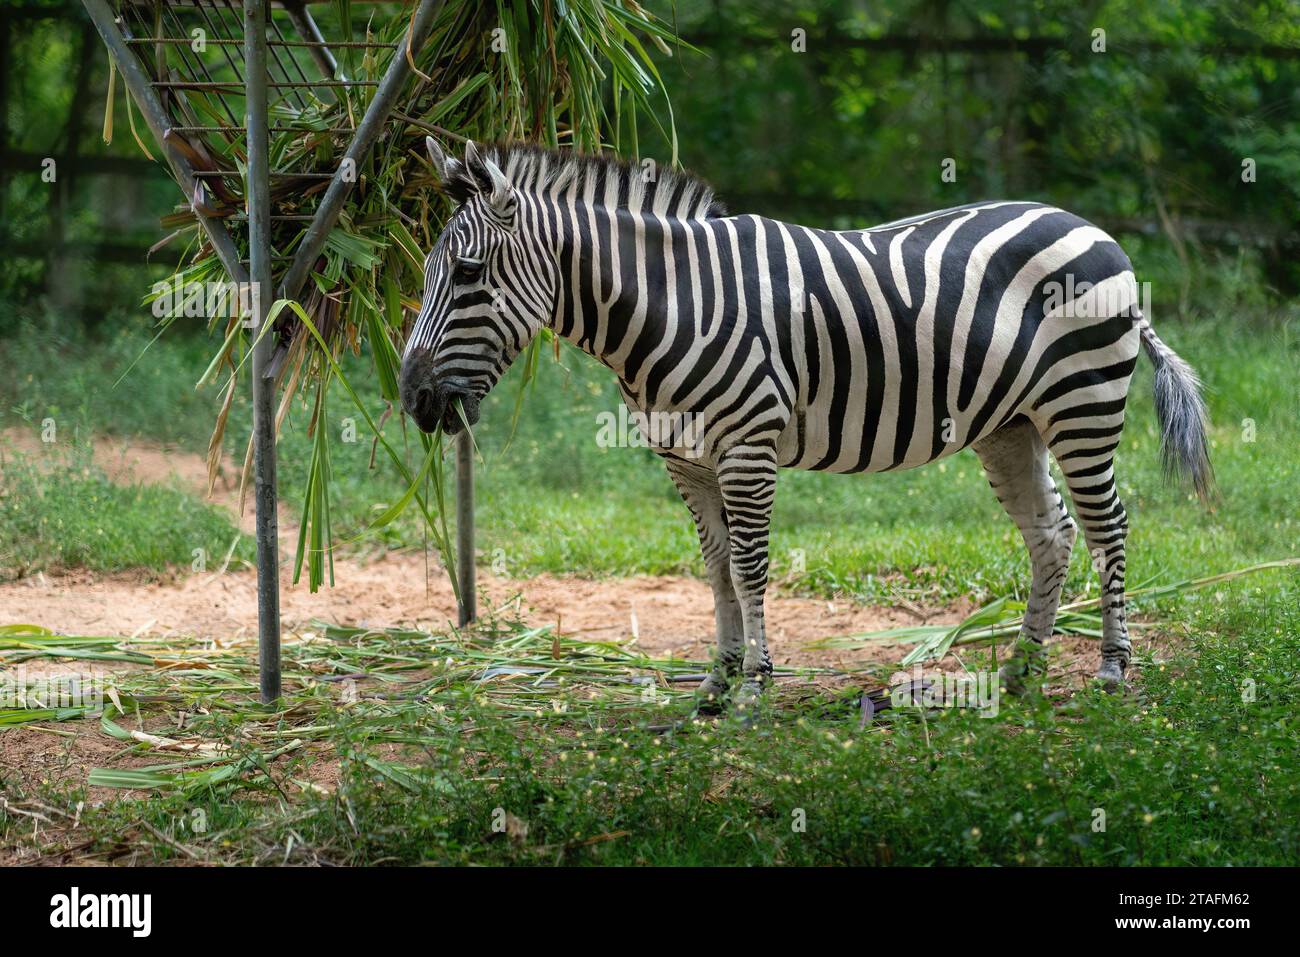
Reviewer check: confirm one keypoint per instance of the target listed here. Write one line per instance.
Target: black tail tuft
(1184, 448)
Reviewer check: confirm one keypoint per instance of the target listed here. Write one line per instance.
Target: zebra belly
(810, 429)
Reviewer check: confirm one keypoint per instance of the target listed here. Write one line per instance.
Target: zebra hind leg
(1090, 474)
(1015, 462)
(699, 489)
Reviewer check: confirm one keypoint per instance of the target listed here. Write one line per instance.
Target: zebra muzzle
(434, 400)
(432, 406)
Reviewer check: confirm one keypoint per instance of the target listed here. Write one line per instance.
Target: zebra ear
(445, 166)
(491, 181)
(502, 197)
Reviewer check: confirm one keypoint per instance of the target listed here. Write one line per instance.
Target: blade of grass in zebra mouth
(450, 409)
(460, 410)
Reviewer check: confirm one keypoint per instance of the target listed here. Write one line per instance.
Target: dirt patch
(128, 460)
(665, 615)
(662, 615)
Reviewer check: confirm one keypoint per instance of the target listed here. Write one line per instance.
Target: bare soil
(663, 614)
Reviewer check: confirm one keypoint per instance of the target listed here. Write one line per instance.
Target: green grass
(66, 513)
(554, 501)
(115, 383)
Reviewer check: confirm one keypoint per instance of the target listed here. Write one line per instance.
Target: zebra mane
(536, 169)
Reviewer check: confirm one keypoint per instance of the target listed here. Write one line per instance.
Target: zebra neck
(616, 272)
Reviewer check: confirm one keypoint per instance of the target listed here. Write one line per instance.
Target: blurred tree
(76, 243)
(1178, 119)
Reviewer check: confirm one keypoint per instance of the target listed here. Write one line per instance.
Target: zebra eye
(467, 270)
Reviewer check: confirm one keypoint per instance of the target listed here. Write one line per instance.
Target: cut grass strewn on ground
(576, 763)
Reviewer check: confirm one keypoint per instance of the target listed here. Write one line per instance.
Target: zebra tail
(1180, 409)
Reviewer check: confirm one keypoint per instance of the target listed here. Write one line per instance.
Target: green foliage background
(1147, 137)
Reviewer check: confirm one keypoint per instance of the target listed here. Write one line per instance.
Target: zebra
(1011, 328)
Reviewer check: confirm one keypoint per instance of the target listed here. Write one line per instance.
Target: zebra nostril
(424, 397)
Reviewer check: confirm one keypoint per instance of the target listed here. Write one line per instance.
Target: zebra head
(488, 288)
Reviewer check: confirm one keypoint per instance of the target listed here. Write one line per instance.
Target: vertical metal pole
(465, 525)
(259, 245)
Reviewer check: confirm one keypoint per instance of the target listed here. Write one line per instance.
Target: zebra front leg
(1015, 461)
(747, 478)
(698, 486)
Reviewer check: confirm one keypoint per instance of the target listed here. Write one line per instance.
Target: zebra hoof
(748, 702)
(1110, 677)
(1017, 676)
(711, 695)
(1012, 680)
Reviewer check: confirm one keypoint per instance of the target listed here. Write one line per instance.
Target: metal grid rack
(193, 101)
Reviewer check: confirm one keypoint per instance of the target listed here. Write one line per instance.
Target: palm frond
(577, 73)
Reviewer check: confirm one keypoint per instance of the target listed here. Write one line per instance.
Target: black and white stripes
(1009, 327)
